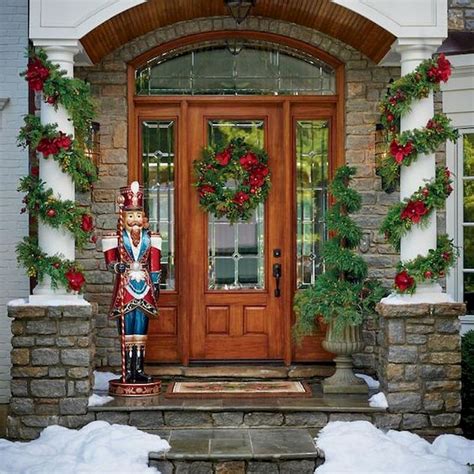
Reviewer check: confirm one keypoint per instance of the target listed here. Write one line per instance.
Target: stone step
(176, 372)
(238, 451)
(313, 412)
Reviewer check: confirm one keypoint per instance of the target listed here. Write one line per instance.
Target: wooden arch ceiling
(321, 15)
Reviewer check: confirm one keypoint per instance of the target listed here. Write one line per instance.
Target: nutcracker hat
(133, 197)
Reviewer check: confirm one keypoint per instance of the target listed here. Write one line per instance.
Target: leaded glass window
(158, 178)
(245, 68)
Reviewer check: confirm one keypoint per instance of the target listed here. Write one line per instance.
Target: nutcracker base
(119, 389)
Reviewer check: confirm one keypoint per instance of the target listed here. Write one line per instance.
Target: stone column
(52, 367)
(420, 365)
(56, 241)
(419, 240)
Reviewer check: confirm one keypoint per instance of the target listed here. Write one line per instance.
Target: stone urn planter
(343, 343)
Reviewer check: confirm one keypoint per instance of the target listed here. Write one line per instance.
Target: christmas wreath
(232, 180)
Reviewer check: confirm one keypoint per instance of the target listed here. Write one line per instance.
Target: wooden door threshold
(231, 371)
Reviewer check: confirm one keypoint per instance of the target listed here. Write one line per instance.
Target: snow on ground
(359, 447)
(371, 382)
(101, 380)
(99, 400)
(378, 400)
(97, 448)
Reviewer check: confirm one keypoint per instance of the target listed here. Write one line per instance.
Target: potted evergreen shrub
(342, 295)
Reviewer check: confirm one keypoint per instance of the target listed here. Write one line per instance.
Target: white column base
(430, 293)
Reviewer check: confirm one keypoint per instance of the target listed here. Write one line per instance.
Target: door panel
(234, 313)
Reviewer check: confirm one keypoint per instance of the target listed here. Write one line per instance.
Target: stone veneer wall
(365, 83)
(461, 15)
(420, 365)
(52, 368)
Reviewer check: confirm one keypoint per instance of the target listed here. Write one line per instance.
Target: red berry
(428, 274)
(56, 265)
(441, 274)
(425, 192)
(51, 213)
(390, 117)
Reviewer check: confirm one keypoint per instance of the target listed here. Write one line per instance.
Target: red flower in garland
(414, 211)
(34, 171)
(75, 279)
(441, 71)
(62, 141)
(87, 223)
(248, 161)
(224, 157)
(403, 281)
(206, 189)
(399, 151)
(36, 74)
(47, 147)
(240, 198)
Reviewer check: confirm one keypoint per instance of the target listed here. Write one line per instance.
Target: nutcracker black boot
(140, 375)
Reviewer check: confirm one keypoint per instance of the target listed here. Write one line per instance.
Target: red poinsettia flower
(248, 161)
(36, 74)
(399, 151)
(75, 279)
(47, 147)
(413, 211)
(87, 223)
(403, 281)
(206, 189)
(224, 157)
(62, 141)
(241, 197)
(441, 71)
(256, 180)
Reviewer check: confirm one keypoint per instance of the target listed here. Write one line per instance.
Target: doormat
(238, 389)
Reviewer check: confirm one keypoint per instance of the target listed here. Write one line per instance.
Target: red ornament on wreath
(233, 180)
(51, 213)
(75, 279)
(403, 281)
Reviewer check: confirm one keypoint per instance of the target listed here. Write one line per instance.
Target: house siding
(365, 84)
(13, 165)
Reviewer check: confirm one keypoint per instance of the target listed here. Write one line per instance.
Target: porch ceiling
(322, 15)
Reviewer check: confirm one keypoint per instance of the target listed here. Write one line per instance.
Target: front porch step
(156, 413)
(238, 451)
(248, 372)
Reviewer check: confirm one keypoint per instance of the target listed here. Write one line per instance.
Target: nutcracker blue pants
(136, 323)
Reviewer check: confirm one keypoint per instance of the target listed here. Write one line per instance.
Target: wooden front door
(233, 309)
(218, 300)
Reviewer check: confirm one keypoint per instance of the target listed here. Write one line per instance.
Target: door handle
(277, 276)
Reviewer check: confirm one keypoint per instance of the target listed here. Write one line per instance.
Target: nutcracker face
(134, 220)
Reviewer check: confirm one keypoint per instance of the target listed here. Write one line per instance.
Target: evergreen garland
(417, 209)
(342, 294)
(403, 149)
(74, 95)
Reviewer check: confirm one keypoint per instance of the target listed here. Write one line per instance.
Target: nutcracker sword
(121, 252)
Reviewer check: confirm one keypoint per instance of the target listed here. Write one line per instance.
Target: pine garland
(342, 294)
(43, 204)
(404, 149)
(74, 95)
(47, 139)
(417, 209)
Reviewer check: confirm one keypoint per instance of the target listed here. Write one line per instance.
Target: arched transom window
(236, 68)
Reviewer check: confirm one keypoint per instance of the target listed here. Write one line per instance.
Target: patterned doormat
(238, 389)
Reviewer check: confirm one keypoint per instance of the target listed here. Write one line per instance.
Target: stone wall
(365, 83)
(53, 362)
(461, 15)
(420, 365)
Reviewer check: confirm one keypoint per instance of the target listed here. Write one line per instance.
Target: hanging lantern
(239, 9)
(92, 148)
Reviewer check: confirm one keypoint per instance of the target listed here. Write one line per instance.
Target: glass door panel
(236, 252)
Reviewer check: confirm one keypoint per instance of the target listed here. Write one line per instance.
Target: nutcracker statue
(133, 254)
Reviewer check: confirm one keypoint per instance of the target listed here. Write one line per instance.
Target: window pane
(468, 247)
(311, 197)
(236, 253)
(468, 151)
(236, 68)
(158, 182)
(469, 292)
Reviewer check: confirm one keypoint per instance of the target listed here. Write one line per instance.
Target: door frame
(310, 106)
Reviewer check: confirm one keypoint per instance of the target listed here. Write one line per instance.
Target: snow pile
(101, 380)
(359, 447)
(96, 448)
(99, 400)
(371, 382)
(378, 400)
